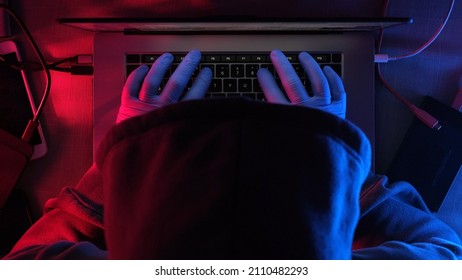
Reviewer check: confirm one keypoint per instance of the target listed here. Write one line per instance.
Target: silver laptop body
(114, 39)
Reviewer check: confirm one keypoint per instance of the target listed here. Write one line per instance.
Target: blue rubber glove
(328, 91)
(140, 93)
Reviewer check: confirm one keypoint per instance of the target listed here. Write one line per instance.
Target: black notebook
(430, 159)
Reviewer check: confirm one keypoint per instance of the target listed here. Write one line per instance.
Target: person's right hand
(328, 90)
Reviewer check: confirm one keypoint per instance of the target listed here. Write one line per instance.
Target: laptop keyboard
(235, 74)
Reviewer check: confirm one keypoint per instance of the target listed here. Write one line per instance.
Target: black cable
(33, 123)
(21, 65)
(60, 69)
(34, 66)
(69, 59)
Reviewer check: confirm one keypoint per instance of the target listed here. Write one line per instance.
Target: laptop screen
(232, 24)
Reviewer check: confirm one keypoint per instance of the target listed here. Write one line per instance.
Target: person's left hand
(328, 91)
(140, 93)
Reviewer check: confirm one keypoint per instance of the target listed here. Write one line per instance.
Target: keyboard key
(251, 96)
(173, 68)
(213, 58)
(222, 70)
(245, 85)
(299, 70)
(243, 58)
(261, 97)
(336, 58)
(270, 68)
(259, 58)
(292, 57)
(229, 85)
(307, 84)
(149, 58)
(210, 66)
(162, 86)
(233, 95)
(196, 72)
(188, 85)
(178, 58)
(256, 86)
(216, 85)
(321, 58)
(336, 67)
(132, 58)
(237, 70)
(218, 95)
(228, 58)
(251, 70)
(131, 68)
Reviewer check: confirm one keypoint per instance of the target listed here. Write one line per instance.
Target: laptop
(233, 47)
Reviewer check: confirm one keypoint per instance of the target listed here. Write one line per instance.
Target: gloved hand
(140, 92)
(329, 93)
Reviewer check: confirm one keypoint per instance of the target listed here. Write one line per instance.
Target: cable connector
(85, 59)
(425, 117)
(84, 65)
(81, 70)
(76, 65)
(381, 58)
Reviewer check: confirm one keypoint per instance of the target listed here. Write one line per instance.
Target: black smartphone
(16, 102)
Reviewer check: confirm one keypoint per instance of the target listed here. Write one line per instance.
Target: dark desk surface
(67, 119)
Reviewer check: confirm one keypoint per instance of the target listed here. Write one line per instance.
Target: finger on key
(337, 89)
(319, 83)
(289, 78)
(154, 78)
(270, 88)
(179, 79)
(134, 82)
(201, 85)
